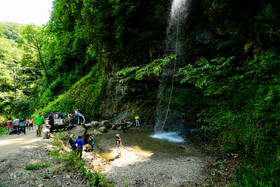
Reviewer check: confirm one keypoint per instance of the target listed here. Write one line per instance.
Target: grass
(37, 166)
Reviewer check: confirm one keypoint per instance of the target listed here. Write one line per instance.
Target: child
(9, 123)
(137, 121)
(80, 143)
(119, 143)
(91, 142)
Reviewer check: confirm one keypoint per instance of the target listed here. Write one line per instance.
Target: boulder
(95, 123)
(129, 124)
(114, 127)
(102, 129)
(87, 125)
(77, 131)
(119, 128)
(106, 124)
(94, 132)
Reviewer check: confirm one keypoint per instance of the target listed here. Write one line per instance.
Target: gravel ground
(13, 173)
(163, 164)
(175, 165)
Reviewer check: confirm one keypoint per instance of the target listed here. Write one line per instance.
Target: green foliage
(37, 166)
(84, 95)
(3, 130)
(139, 72)
(250, 174)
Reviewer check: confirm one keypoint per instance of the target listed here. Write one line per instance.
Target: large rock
(129, 124)
(87, 125)
(114, 127)
(95, 123)
(102, 129)
(94, 132)
(77, 131)
(106, 124)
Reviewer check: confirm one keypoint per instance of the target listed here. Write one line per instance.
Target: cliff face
(126, 100)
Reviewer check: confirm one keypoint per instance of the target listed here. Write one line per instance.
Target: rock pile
(97, 128)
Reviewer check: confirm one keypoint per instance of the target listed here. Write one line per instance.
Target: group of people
(19, 125)
(77, 144)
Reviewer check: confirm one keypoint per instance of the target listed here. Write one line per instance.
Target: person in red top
(9, 123)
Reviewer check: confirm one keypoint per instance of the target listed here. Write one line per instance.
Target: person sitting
(47, 133)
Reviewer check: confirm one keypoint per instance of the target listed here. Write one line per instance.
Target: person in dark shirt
(72, 141)
(123, 125)
(51, 121)
(22, 125)
(91, 142)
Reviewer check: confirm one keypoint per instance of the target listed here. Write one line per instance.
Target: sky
(25, 11)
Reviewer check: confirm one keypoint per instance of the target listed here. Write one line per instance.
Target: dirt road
(11, 143)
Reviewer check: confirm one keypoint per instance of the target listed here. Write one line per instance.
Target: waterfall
(168, 119)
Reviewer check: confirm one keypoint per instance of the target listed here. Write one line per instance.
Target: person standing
(123, 125)
(80, 143)
(119, 143)
(51, 121)
(22, 125)
(91, 142)
(30, 123)
(9, 123)
(26, 123)
(16, 125)
(137, 121)
(39, 121)
(71, 141)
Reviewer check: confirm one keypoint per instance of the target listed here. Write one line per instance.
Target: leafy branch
(139, 72)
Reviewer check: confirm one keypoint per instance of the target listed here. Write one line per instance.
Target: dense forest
(105, 57)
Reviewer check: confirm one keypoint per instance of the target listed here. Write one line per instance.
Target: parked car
(60, 119)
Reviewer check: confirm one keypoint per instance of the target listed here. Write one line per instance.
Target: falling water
(169, 119)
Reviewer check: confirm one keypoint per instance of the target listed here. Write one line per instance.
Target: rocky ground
(13, 171)
(144, 162)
